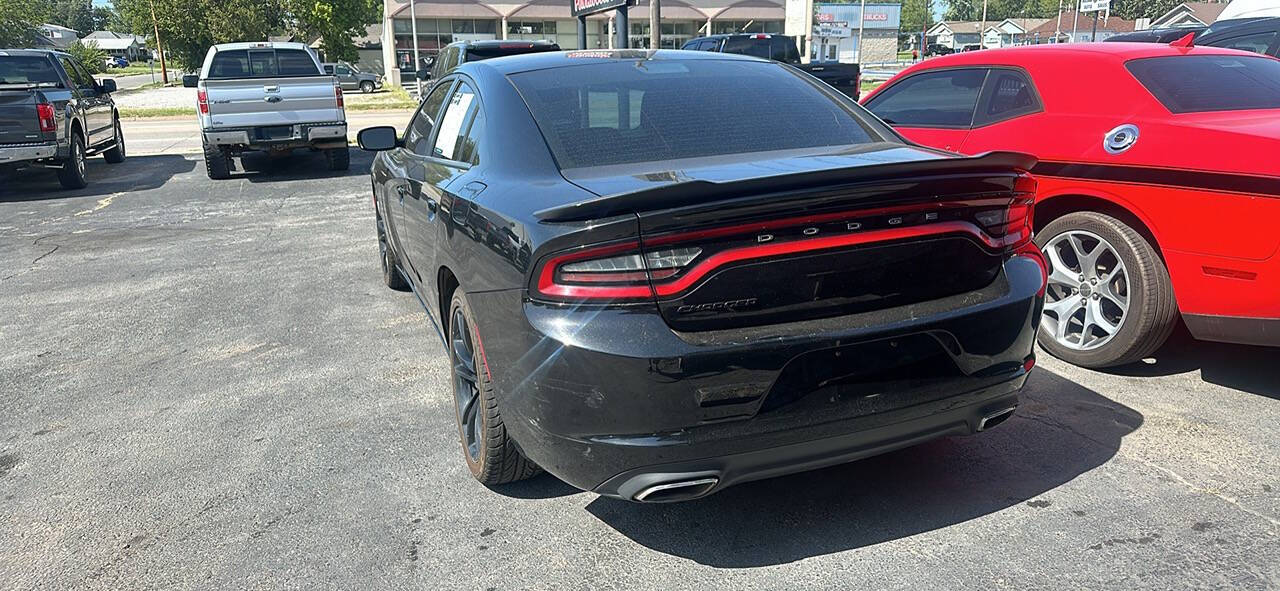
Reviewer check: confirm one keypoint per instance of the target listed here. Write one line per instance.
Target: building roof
(53, 27)
(698, 10)
(113, 35)
(1114, 24)
(1022, 25)
(112, 43)
(1203, 13)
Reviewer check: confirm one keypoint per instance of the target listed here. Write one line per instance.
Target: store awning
(448, 9)
(671, 10)
(760, 10)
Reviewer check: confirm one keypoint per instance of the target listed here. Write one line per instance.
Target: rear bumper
(26, 152)
(331, 134)
(1234, 329)
(613, 400)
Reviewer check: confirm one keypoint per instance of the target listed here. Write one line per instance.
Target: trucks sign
(585, 7)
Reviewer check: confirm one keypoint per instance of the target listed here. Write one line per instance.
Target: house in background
(1010, 31)
(130, 47)
(1052, 32)
(1187, 14)
(954, 34)
(61, 36)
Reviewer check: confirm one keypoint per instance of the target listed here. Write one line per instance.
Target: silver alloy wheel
(1087, 298)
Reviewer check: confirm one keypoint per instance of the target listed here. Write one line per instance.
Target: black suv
(455, 54)
(53, 115)
(1259, 35)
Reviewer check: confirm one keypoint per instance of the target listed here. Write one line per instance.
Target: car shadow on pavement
(260, 167)
(136, 173)
(1060, 431)
(1242, 367)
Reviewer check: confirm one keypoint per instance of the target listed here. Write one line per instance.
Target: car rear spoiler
(701, 191)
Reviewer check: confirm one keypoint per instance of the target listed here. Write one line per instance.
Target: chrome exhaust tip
(680, 490)
(995, 418)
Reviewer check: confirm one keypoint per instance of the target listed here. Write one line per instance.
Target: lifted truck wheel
(217, 162)
(338, 158)
(116, 154)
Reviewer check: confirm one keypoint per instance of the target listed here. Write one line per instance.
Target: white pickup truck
(270, 96)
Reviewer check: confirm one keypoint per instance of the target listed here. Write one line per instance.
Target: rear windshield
(262, 63)
(485, 52)
(27, 69)
(624, 112)
(774, 47)
(1195, 84)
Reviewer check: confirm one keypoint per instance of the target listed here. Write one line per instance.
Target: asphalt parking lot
(205, 385)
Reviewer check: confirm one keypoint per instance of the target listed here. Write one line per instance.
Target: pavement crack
(1229, 500)
(32, 265)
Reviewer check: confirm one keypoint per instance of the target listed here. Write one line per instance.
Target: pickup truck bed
(847, 78)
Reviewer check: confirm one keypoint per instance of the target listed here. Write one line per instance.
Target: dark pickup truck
(843, 77)
(53, 115)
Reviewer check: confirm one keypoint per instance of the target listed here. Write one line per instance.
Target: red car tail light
(612, 272)
(337, 91)
(44, 114)
(202, 99)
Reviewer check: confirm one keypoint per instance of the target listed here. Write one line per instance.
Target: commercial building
(835, 35)
(441, 22)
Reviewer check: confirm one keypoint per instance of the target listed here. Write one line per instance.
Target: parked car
(969, 47)
(847, 78)
(53, 115)
(269, 96)
(699, 288)
(1164, 35)
(460, 52)
(934, 49)
(351, 78)
(1158, 182)
(1259, 35)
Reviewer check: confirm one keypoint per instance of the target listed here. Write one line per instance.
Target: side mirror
(423, 74)
(108, 86)
(190, 80)
(377, 139)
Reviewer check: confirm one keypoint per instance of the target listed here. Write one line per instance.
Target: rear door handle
(431, 205)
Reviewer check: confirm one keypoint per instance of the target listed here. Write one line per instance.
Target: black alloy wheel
(492, 456)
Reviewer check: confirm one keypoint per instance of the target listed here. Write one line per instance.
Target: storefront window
(728, 27)
(531, 27)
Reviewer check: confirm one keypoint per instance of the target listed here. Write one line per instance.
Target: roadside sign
(832, 29)
(585, 7)
(1095, 5)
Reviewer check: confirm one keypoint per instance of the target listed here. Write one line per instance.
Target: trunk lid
(814, 235)
(18, 123)
(259, 102)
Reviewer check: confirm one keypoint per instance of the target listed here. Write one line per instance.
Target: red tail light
(337, 92)
(44, 113)
(202, 99)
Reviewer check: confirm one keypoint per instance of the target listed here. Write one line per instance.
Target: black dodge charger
(658, 274)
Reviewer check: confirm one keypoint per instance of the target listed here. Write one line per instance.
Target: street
(206, 385)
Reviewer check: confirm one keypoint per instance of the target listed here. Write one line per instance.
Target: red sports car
(1159, 181)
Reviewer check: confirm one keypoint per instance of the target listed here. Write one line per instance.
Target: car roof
(1242, 26)
(260, 45)
(501, 42)
(560, 59)
(32, 52)
(1117, 53)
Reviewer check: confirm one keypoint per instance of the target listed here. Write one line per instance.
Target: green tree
(335, 22)
(917, 15)
(90, 55)
(19, 20)
(73, 14)
(1135, 9)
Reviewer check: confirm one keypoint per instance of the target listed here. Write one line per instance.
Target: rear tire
(491, 455)
(1142, 284)
(390, 262)
(72, 174)
(217, 162)
(366, 87)
(116, 154)
(338, 158)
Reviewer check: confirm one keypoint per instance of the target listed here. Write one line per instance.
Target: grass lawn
(390, 98)
(147, 112)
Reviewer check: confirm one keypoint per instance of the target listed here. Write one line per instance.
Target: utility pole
(622, 26)
(655, 24)
(417, 61)
(862, 19)
(1094, 36)
(982, 31)
(164, 72)
(1075, 21)
(1057, 32)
